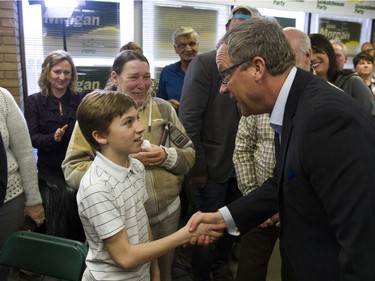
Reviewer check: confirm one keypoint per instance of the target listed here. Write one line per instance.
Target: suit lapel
(299, 83)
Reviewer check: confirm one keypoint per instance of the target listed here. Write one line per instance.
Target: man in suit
(323, 187)
(254, 161)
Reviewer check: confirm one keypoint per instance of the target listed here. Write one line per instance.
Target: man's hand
(174, 103)
(275, 219)
(210, 226)
(151, 157)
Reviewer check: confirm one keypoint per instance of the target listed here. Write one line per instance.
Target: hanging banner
(350, 8)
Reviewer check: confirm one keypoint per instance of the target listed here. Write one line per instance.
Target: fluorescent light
(60, 4)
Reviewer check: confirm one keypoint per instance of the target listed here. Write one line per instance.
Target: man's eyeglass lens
(191, 44)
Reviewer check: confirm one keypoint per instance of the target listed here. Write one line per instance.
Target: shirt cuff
(171, 160)
(228, 219)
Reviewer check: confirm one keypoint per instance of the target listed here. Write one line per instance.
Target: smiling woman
(323, 60)
(50, 114)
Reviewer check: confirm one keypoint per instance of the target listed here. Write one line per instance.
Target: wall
(10, 51)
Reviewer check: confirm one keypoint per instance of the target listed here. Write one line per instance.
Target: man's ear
(307, 59)
(99, 137)
(259, 65)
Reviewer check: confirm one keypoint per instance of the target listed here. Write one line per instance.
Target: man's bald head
(301, 45)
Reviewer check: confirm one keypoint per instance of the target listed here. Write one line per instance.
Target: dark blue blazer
(325, 191)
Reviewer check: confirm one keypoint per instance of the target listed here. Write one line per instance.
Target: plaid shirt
(372, 87)
(254, 154)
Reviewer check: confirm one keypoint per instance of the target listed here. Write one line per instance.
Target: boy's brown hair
(97, 111)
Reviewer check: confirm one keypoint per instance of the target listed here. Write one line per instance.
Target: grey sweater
(353, 85)
(22, 173)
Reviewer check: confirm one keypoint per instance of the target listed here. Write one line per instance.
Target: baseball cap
(244, 12)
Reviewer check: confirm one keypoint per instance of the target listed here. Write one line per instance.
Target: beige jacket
(163, 184)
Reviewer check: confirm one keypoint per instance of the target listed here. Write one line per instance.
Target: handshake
(205, 228)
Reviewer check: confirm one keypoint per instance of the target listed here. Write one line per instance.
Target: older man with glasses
(186, 46)
(322, 184)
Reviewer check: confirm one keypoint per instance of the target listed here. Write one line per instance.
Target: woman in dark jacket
(50, 116)
(51, 113)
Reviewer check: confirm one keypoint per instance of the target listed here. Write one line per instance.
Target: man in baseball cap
(241, 13)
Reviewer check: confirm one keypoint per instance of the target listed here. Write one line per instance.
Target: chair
(44, 254)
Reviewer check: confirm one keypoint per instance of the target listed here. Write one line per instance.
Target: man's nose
(223, 89)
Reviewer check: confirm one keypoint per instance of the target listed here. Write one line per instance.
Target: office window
(295, 19)
(95, 30)
(92, 33)
(162, 17)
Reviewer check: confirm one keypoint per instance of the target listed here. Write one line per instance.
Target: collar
(118, 172)
(277, 114)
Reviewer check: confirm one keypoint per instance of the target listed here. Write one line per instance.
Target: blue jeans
(209, 199)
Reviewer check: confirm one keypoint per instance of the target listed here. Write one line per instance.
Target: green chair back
(44, 254)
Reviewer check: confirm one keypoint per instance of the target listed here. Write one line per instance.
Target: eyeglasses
(191, 44)
(223, 74)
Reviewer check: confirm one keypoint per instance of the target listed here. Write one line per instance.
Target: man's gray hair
(183, 31)
(261, 37)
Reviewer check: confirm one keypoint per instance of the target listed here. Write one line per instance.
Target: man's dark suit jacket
(326, 188)
(209, 118)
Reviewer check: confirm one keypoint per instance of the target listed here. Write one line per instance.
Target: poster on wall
(93, 30)
(348, 33)
(353, 32)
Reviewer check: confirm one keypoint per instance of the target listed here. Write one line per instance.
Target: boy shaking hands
(112, 194)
